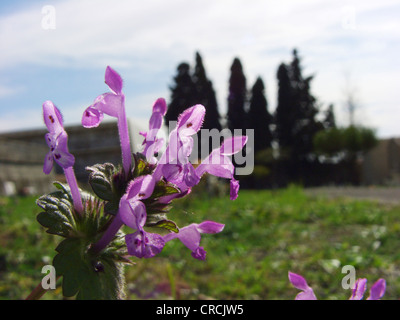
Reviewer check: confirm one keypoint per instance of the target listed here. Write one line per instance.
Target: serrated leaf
(69, 265)
(101, 187)
(57, 216)
(88, 276)
(55, 224)
(100, 179)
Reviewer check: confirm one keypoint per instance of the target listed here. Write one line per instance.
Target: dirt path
(382, 194)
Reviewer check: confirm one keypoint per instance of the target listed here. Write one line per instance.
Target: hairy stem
(108, 235)
(124, 138)
(73, 185)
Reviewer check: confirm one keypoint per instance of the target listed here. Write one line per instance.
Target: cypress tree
(284, 113)
(296, 123)
(259, 118)
(237, 97)
(329, 121)
(205, 95)
(183, 93)
(296, 111)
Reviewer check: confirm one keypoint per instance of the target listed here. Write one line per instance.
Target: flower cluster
(376, 292)
(139, 194)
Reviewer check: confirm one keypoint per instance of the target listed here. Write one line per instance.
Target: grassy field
(267, 233)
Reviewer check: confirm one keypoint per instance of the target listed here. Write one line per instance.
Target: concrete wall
(21, 168)
(381, 165)
(24, 151)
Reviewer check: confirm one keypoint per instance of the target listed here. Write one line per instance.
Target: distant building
(22, 154)
(381, 165)
(21, 168)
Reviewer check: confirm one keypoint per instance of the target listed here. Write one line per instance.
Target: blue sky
(347, 45)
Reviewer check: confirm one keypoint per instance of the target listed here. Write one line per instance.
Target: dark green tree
(259, 118)
(284, 113)
(183, 93)
(345, 147)
(306, 110)
(329, 120)
(296, 112)
(237, 97)
(205, 95)
(296, 123)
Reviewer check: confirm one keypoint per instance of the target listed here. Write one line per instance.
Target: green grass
(267, 233)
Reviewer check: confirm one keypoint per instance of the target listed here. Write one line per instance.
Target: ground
(382, 194)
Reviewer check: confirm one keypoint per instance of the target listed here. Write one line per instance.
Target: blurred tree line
(297, 143)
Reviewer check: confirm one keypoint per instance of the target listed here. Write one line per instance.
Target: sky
(59, 50)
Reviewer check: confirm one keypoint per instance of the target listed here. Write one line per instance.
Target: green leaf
(140, 168)
(163, 188)
(88, 276)
(58, 213)
(111, 207)
(100, 179)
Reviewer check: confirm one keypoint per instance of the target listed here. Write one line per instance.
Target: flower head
(190, 236)
(113, 104)
(220, 165)
(174, 164)
(300, 283)
(376, 292)
(151, 143)
(132, 212)
(360, 286)
(110, 103)
(56, 138)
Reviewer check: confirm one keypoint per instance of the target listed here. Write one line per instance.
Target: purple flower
(151, 143)
(375, 293)
(144, 244)
(377, 290)
(113, 104)
(359, 289)
(234, 189)
(219, 164)
(191, 236)
(132, 212)
(57, 140)
(300, 283)
(174, 164)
